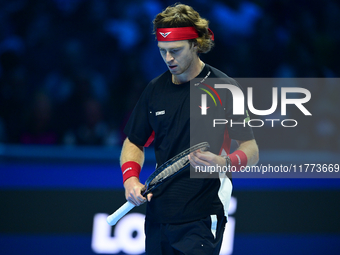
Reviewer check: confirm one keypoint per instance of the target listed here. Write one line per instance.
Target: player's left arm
(247, 154)
(251, 150)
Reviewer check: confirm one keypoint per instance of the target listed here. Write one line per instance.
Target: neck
(192, 72)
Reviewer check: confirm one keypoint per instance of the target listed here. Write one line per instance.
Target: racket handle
(118, 214)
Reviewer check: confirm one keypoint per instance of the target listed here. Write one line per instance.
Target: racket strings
(170, 170)
(171, 167)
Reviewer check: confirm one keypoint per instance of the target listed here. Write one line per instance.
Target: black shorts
(194, 238)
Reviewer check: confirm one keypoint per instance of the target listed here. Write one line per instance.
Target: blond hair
(181, 15)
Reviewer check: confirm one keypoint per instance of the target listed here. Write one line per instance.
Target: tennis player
(184, 215)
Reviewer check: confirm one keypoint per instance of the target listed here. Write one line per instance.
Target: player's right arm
(133, 153)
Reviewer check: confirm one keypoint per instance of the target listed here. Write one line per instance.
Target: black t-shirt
(163, 113)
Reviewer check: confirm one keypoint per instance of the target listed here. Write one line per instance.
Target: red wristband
(129, 169)
(238, 159)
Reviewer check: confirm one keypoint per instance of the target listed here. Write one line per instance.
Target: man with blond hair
(184, 215)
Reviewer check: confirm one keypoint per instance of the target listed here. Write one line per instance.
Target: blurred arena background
(71, 72)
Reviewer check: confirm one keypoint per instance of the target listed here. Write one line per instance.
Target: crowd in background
(71, 71)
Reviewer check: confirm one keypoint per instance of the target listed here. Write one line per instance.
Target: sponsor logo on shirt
(160, 113)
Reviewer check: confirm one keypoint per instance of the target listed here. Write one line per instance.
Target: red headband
(178, 33)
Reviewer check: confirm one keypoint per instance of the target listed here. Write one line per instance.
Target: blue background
(49, 202)
(71, 73)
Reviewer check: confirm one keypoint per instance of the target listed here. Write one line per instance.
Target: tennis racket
(167, 170)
